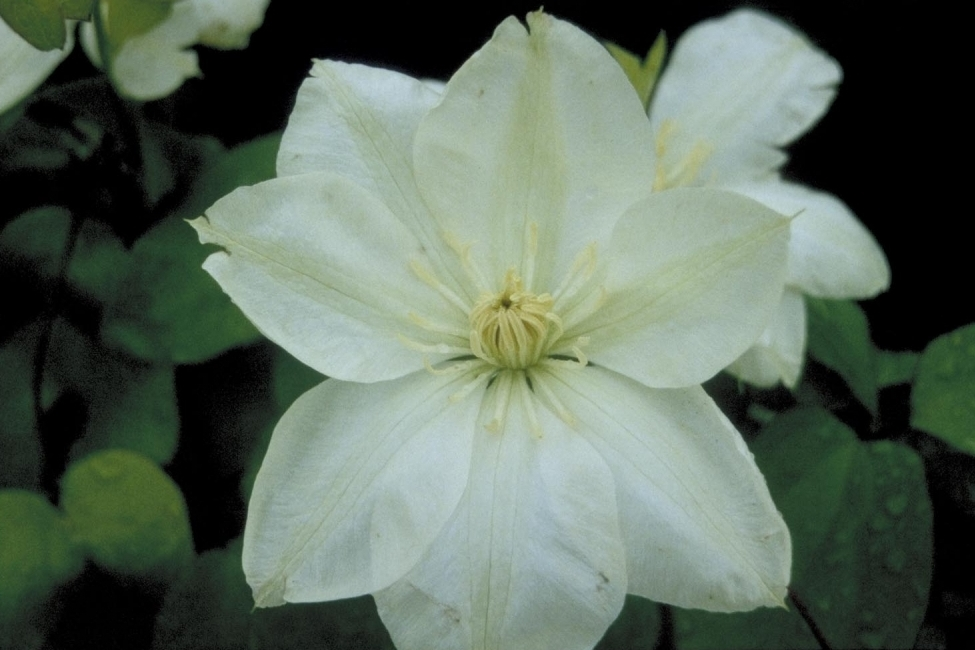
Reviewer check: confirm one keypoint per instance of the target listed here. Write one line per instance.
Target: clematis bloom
(735, 91)
(513, 436)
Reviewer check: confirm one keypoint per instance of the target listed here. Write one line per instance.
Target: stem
(665, 637)
(810, 622)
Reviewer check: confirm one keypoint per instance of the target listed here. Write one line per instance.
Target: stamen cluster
(513, 328)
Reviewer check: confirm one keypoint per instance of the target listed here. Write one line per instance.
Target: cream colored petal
(780, 350)
(356, 484)
(324, 270)
(693, 277)
(538, 134)
(737, 89)
(359, 122)
(698, 522)
(228, 24)
(23, 67)
(831, 254)
(531, 559)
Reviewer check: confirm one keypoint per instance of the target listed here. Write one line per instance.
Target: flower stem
(810, 622)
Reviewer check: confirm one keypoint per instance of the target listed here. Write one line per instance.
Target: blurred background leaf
(20, 447)
(860, 519)
(39, 22)
(839, 338)
(128, 515)
(895, 368)
(168, 308)
(36, 557)
(211, 608)
(131, 403)
(943, 400)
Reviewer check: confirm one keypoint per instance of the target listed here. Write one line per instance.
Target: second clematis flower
(735, 91)
(513, 436)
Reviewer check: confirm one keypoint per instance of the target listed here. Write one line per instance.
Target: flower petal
(538, 134)
(228, 24)
(323, 269)
(359, 122)
(780, 350)
(694, 277)
(735, 89)
(698, 522)
(532, 558)
(23, 67)
(358, 481)
(831, 254)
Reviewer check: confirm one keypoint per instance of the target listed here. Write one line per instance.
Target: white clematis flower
(735, 91)
(514, 436)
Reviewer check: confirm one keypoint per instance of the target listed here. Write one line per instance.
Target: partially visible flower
(514, 436)
(736, 90)
(147, 66)
(154, 64)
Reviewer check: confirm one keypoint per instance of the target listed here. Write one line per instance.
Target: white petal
(694, 276)
(831, 254)
(531, 559)
(357, 482)
(737, 88)
(323, 269)
(228, 24)
(23, 67)
(154, 64)
(359, 122)
(698, 522)
(536, 130)
(780, 350)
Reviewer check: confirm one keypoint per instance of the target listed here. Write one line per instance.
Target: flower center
(513, 328)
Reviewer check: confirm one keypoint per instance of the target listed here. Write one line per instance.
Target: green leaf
(839, 338)
(132, 404)
(77, 9)
(128, 515)
(636, 628)
(39, 22)
(643, 74)
(943, 399)
(33, 245)
(895, 368)
(36, 240)
(860, 519)
(98, 263)
(246, 164)
(36, 557)
(121, 20)
(291, 378)
(169, 309)
(210, 608)
(20, 448)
